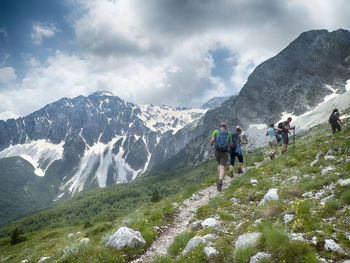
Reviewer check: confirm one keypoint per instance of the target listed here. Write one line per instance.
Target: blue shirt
(272, 133)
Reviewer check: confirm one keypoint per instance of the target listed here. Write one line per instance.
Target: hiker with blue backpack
(274, 138)
(236, 150)
(222, 140)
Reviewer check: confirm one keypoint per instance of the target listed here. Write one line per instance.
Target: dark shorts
(285, 138)
(335, 127)
(233, 156)
(221, 157)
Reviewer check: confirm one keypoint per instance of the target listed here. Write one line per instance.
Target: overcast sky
(174, 52)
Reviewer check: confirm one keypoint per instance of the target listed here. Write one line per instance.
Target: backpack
(222, 142)
(280, 126)
(333, 118)
(235, 147)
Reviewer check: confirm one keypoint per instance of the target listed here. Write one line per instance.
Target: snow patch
(40, 154)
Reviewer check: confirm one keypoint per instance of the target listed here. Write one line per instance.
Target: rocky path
(181, 221)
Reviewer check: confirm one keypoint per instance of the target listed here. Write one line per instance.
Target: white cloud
(40, 32)
(7, 74)
(157, 51)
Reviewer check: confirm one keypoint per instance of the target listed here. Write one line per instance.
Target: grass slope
(98, 213)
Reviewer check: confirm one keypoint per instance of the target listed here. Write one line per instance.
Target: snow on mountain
(164, 118)
(40, 154)
(311, 118)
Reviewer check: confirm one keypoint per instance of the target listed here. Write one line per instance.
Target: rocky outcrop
(126, 237)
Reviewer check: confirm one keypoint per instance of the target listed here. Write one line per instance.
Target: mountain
(308, 77)
(86, 142)
(214, 102)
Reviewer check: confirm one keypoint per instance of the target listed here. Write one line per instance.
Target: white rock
(210, 223)
(341, 160)
(259, 257)
(329, 157)
(210, 252)
(314, 241)
(234, 200)
(297, 237)
(330, 152)
(24, 261)
(269, 196)
(192, 244)
(249, 239)
(346, 261)
(331, 245)
(287, 218)
(324, 200)
(314, 162)
(42, 259)
(70, 235)
(125, 237)
(84, 241)
(318, 155)
(78, 233)
(328, 169)
(253, 182)
(307, 194)
(343, 183)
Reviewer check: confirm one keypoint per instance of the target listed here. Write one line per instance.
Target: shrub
(180, 243)
(242, 255)
(16, 236)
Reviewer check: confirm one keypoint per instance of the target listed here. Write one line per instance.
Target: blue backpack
(222, 142)
(236, 147)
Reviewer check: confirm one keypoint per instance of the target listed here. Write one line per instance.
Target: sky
(173, 52)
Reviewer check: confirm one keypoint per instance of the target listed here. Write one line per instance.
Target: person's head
(238, 129)
(272, 125)
(335, 110)
(289, 119)
(223, 125)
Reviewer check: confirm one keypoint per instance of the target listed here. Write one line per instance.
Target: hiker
(334, 121)
(285, 134)
(223, 140)
(236, 151)
(274, 138)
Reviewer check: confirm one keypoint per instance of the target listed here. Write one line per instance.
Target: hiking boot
(240, 171)
(231, 174)
(219, 185)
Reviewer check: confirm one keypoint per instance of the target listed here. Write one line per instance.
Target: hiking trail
(182, 217)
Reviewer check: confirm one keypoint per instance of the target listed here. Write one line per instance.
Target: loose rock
(125, 237)
(287, 218)
(259, 257)
(42, 259)
(249, 239)
(343, 183)
(192, 244)
(269, 196)
(84, 241)
(210, 252)
(331, 245)
(210, 223)
(326, 170)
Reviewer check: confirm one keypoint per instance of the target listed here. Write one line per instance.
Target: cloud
(7, 75)
(162, 51)
(40, 32)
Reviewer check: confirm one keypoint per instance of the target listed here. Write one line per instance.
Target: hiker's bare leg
(221, 171)
(231, 168)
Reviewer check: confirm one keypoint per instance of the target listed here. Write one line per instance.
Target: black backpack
(280, 126)
(333, 118)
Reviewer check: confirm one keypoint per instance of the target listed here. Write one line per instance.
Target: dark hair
(272, 125)
(335, 110)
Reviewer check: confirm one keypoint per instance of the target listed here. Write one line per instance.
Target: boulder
(249, 239)
(194, 241)
(287, 218)
(269, 196)
(331, 245)
(125, 237)
(297, 237)
(326, 170)
(210, 252)
(84, 241)
(259, 257)
(210, 223)
(343, 183)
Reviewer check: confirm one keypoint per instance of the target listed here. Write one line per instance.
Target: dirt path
(181, 221)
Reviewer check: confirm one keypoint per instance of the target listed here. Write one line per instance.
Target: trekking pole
(294, 138)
